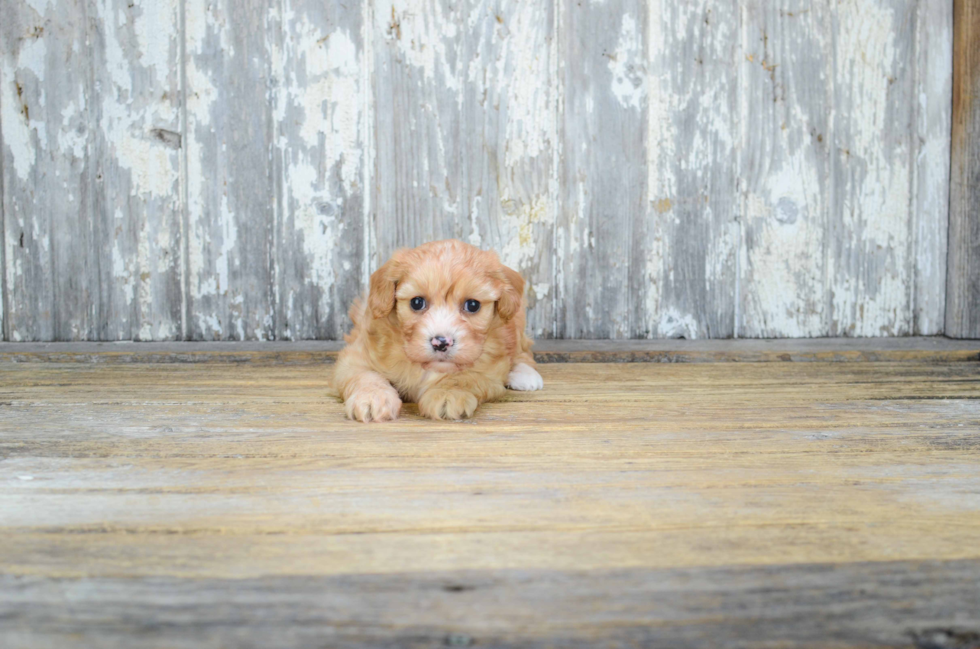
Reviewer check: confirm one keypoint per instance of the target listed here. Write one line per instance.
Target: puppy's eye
(471, 306)
(417, 303)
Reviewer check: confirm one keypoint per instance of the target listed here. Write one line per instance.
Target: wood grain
(465, 130)
(836, 350)
(320, 121)
(850, 605)
(602, 184)
(626, 503)
(189, 170)
(90, 98)
(685, 244)
(233, 174)
(785, 168)
(509, 103)
(931, 206)
(963, 278)
(870, 228)
(418, 71)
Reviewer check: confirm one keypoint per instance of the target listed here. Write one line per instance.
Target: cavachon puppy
(443, 326)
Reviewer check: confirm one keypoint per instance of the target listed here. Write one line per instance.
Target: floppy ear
(512, 294)
(381, 299)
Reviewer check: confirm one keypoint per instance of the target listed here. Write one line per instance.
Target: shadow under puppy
(443, 326)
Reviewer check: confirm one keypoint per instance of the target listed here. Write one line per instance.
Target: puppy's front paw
(447, 404)
(524, 377)
(375, 404)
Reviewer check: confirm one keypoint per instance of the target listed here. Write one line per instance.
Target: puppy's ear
(511, 294)
(381, 299)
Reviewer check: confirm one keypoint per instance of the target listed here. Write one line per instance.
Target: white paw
(524, 377)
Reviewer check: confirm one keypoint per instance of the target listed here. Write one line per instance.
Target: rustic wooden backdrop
(182, 169)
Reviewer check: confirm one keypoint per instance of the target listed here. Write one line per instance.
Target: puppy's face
(444, 298)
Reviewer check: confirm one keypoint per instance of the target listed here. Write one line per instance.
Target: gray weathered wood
(602, 177)
(417, 123)
(685, 243)
(836, 240)
(785, 167)
(653, 169)
(233, 174)
(930, 210)
(465, 133)
(50, 174)
(320, 121)
(91, 113)
(509, 135)
(872, 150)
(963, 279)
(746, 505)
(312, 352)
(137, 109)
(846, 605)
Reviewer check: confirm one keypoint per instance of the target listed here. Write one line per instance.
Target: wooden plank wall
(963, 283)
(179, 169)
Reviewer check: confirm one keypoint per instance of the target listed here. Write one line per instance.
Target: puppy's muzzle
(441, 343)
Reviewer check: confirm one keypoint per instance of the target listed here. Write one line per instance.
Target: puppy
(443, 326)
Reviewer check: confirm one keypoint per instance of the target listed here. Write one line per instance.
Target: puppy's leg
(369, 397)
(457, 396)
(524, 377)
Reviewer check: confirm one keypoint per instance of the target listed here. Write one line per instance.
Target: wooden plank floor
(630, 504)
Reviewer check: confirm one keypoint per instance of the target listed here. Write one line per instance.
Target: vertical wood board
(602, 175)
(963, 279)
(684, 246)
(653, 169)
(319, 138)
(233, 173)
(869, 262)
(931, 207)
(90, 100)
(784, 167)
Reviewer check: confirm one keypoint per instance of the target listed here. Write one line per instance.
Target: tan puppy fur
(418, 339)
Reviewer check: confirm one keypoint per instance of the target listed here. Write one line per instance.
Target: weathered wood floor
(717, 505)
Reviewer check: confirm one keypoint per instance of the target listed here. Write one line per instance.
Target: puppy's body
(416, 338)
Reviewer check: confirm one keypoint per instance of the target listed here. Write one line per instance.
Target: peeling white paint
(156, 43)
(674, 324)
(229, 240)
(875, 177)
(786, 219)
(22, 136)
(324, 155)
(498, 64)
(127, 119)
(520, 251)
(930, 209)
(420, 31)
(74, 134)
(332, 78)
(39, 6)
(522, 71)
(661, 153)
(628, 66)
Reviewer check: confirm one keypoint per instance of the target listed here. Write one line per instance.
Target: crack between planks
(4, 298)
(912, 248)
(739, 127)
(368, 240)
(184, 226)
(556, 273)
(277, 330)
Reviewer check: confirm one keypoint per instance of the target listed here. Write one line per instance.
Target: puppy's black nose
(441, 343)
